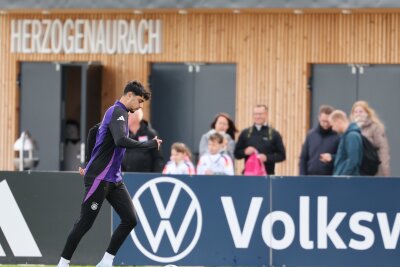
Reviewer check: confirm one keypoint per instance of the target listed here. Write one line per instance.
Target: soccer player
(103, 175)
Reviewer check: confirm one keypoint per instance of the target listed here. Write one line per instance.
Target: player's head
(134, 96)
(215, 143)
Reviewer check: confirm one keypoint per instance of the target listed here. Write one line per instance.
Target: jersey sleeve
(191, 168)
(167, 169)
(201, 166)
(117, 128)
(228, 165)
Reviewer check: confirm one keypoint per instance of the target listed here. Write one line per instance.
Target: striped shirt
(218, 164)
(183, 167)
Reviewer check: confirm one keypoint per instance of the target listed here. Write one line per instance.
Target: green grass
(41, 265)
(34, 265)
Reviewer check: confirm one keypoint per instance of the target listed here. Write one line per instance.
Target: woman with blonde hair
(372, 128)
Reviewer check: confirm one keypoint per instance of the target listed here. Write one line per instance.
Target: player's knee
(87, 225)
(131, 222)
(83, 226)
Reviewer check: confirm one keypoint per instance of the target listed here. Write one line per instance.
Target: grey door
(40, 110)
(333, 85)
(172, 104)
(51, 95)
(91, 107)
(342, 85)
(215, 91)
(380, 86)
(185, 99)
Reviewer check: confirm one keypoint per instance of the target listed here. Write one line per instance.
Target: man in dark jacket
(261, 138)
(141, 160)
(348, 158)
(319, 140)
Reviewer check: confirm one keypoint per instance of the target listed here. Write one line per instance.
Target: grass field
(33, 265)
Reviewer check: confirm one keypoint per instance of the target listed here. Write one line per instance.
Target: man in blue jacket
(347, 160)
(321, 139)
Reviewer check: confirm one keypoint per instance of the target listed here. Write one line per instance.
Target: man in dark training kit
(103, 178)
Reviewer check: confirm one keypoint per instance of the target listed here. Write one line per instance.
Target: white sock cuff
(109, 256)
(63, 262)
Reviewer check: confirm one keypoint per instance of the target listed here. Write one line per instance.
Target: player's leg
(121, 201)
(95, 193)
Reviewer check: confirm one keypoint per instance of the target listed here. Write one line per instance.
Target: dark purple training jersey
(111, 141)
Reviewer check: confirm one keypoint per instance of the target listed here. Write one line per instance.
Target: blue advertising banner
(197, 220)
(332, 221)
(262, 221)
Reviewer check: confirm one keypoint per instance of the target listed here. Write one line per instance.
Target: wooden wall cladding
(272, 52)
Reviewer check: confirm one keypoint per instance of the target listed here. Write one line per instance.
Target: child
(215, 161)
(180, 162)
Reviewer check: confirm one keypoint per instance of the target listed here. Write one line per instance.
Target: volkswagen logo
(177, 210)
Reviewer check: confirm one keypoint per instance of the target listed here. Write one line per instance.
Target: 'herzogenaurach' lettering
(85, 36)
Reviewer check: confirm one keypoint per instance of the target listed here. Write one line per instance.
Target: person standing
(141, 160)
(372, 128)
(263, 139)
(348, 158)
(319, 140)
(102, 175)
(225, 126)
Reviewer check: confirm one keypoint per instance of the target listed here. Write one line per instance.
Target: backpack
(271, 132)
(370, 159)
(254, 166)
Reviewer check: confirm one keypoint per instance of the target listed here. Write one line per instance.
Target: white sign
(326, 229)
(14, 226)
(85, 36)
(165, 227)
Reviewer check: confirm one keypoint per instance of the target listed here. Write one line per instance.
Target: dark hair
(137, 89)
(216, 137)
(326, 109)
(231, 125)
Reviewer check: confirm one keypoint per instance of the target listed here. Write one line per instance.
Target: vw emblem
(169, 227)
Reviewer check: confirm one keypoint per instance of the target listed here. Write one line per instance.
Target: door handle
(82, 152)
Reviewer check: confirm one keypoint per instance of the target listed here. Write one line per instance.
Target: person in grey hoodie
(321, 139)
(225, 126)
(348, 158)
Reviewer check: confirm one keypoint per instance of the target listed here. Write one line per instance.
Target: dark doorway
(341, 85)
(59, 103)
(186, 98)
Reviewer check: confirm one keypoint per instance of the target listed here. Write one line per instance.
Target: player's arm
(117, 128)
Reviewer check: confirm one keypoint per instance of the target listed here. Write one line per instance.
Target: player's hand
(250, 150)
(159, 141)
(81, 171)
